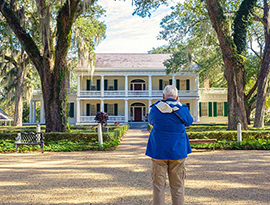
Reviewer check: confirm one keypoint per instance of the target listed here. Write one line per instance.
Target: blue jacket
(168, 139)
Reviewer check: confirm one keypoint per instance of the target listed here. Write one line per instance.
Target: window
(110, 109)
(87, 109)
(93, 110)
(71, 110)
(220, 109)
(204, 106)
(182, 85)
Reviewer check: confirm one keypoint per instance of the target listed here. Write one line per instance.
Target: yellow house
(125, 85)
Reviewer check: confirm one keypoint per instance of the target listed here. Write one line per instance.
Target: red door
(137, 86)
(138, 114)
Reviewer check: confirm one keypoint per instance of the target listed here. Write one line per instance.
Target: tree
(264, 71)
(48, 49)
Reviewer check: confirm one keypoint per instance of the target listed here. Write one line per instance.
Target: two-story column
(173, 80)
(79, 86)
(30, 112)
(197, 83)
(149, 103)
(102, 106)
(126, 111)
(102, 86)
(126, 85)
(42, 114)
(150, 85)
(78, 111)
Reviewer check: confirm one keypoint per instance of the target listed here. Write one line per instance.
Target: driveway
(123, 176)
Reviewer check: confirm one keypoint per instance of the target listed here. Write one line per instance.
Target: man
(168, 145)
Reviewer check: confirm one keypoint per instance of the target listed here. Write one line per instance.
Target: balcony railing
(91, 119)
(84, 93)
(138, 93)
(213, 90)
(114, 93)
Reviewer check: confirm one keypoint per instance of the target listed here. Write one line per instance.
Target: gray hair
(170, 91)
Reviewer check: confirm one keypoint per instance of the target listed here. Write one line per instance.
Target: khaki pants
(176, 172)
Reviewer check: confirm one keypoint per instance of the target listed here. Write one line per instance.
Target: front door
(138, 114)
(137, 86)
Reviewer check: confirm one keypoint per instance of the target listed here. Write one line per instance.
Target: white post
(100, 138)
(150, 86)
(102, 106)
(38, 131)
(78, 111)
(197, 111)
(239, 133)
(149, 103)
(34, 111)
(30, 112)
(173, 80)
(126, 110)
(102, 86)
(79, 86)
(126, 85)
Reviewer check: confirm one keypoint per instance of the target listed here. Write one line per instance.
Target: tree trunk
(19, 98)
(264, 71)
(234, 68)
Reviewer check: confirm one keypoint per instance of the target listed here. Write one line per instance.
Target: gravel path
(123, 176)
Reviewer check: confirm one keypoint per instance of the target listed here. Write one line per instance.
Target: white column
(78, 111)
(79, 86)
(197, 83)
(126, 85)
(102, 106)
(149, 103)
(42, 114)
(30, 112)
(126, 110)
(197, 111)
(34, 111)
(173, 80)
(150, 85)
(102, 86)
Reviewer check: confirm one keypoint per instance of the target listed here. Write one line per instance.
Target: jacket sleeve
(151, 116)
(185, 115)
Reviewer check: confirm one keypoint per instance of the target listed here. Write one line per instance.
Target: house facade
(126, 85)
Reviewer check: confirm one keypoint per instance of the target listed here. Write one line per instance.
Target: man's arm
(185, 115)
(151, 116)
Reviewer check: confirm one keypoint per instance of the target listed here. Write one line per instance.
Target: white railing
(158, 93)
(116, 119)
(138, 93)
(87, 119)
(213, 90)
(114, 93)
(90, 93)
(91, 119)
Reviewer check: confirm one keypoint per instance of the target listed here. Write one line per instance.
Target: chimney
(206, 83)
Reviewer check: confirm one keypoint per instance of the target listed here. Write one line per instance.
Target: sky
(127, 33)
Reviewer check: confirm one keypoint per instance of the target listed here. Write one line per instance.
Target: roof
(4, 116)
(130, 60)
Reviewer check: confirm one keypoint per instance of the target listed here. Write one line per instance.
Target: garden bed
(67, 141)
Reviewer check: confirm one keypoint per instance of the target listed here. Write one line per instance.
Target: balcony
(112, 119)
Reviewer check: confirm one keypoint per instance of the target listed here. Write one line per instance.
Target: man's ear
(177, 98)
(163, 97)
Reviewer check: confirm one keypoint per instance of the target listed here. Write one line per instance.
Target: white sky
(130, 34)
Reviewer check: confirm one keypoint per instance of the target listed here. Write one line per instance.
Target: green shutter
(98, 84)
(187, 84)
(200, 109)
(105, 84)
(106, 107)
(88, 84)
(115, 109)
(160, 84)
(71, 110)
(178, 84)
(115, 84)
(170, 81)
(226, 109)
(210, 114)
(215, 109)
(87, 109)
(98, 107)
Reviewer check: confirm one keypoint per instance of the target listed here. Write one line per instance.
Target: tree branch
(250, 93)
(11, 60)
(24, 38)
